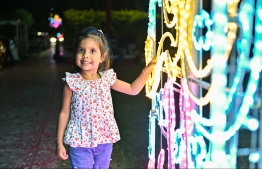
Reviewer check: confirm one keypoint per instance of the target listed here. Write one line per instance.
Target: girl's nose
(85, 55)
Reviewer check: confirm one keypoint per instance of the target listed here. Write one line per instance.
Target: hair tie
(100, 31)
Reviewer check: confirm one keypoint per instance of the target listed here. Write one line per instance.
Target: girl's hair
(98, 36)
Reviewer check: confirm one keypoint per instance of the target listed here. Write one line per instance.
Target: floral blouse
(92, 119)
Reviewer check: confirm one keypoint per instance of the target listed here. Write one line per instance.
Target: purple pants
(90, 158)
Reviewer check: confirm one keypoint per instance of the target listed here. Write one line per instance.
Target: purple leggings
(90, 158)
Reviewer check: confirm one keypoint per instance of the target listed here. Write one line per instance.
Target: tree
(23, 15)
(109, 17)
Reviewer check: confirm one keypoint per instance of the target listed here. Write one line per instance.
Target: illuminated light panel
(223, 35)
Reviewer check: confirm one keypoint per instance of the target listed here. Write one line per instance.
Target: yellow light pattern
(183, 13)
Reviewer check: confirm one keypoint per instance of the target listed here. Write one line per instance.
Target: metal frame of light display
(227, 32)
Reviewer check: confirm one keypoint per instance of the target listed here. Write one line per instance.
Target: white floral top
(92, 119)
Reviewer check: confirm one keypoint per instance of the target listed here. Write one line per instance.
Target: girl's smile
(86, 63)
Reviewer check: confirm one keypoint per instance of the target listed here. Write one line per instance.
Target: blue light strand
(200, 21)
(218, 78)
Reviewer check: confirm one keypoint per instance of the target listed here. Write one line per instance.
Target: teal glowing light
(201, 21)
(254, 157)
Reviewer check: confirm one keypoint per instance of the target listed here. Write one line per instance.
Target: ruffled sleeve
(110, 76)
(73, 81)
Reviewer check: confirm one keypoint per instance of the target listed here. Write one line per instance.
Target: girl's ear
(103, 56)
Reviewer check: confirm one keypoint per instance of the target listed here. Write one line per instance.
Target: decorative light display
(54, 20)
(228, 92)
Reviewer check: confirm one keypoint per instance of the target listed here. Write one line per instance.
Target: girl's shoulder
(73, 79)
(107, 72)
(109, 75)
(72, 75)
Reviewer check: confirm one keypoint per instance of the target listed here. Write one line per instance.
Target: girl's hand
(148, 69)
(152, 63)
(61, 152)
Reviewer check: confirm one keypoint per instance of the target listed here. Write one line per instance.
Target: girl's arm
(62, 121)
(138, 84)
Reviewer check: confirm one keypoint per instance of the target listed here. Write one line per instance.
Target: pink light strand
(186, 123)
(161, 159)
(169, 108)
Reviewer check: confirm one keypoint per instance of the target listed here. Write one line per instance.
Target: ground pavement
(30, 95)
(29, 103)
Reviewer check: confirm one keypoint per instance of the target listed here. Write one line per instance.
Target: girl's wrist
(148, 69)
(145, 71)
(59, 140)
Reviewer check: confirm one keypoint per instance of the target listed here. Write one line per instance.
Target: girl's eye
(80, 50)
(92, 51)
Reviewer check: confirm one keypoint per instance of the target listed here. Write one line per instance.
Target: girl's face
(88, 55)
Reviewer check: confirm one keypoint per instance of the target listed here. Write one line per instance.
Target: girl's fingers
(63, 157)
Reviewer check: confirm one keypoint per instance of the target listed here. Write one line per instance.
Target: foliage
(74, 20)
(128, 25)
(23, 15)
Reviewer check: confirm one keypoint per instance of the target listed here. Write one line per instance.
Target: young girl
(86, 121)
